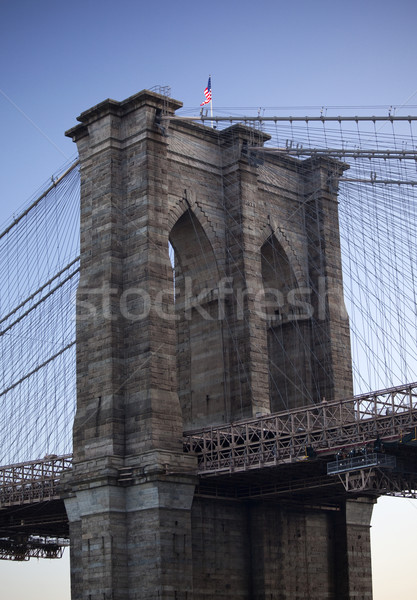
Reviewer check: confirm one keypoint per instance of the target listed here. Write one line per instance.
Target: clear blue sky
(58, 59)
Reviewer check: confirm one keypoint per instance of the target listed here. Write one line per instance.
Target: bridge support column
(98, 553)
(300, 552)
(354, 550)
(130, 492)
(158, 518)
(292, 550)
(248, 377)
(331, 334)
(131, 535)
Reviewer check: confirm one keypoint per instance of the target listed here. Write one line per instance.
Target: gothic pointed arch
(283, 237)
(200, 351)
(188, 202)
(288, 320)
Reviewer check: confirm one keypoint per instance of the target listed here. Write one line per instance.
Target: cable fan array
(377, 219)
(39, 273)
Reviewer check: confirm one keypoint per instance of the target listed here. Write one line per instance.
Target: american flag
(207, 93)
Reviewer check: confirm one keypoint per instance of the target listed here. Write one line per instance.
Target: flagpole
(209, 100)
(211, 104)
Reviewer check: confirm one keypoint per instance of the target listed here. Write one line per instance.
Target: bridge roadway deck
(321, 429)
(250, 458)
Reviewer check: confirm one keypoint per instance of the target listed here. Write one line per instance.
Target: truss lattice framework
(34, 547)
(286, 437)
(380, 481)
(252, 444)
(35, 481)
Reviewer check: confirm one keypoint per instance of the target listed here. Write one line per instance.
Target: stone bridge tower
(210, 291)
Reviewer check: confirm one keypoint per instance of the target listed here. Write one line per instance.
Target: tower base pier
(266, 550)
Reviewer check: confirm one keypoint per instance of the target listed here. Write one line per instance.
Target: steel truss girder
(322, 428)
(35, 481)
(18, 549)
(269, 440)
(380, 482)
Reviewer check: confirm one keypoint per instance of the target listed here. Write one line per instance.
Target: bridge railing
(361, 461)
(296, 434)
(34, 481)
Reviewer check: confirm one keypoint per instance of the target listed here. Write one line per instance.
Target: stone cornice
(120, 109)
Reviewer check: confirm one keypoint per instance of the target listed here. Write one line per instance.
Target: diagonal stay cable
(50, 359)
(25, 314)
(32, 296)
(41, 197)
